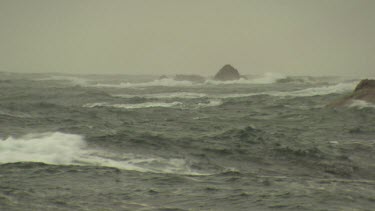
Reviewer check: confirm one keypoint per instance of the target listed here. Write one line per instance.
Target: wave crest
(69, 149)
(134, 106)
(361, 104)
(159, 82)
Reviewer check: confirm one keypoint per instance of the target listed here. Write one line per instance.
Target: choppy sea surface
(100, 142)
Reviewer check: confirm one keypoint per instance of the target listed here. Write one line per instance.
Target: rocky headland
(364, 91)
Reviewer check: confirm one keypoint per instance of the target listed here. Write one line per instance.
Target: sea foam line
(267, 78)
(72, 80)
(133, 106)
(308, 92)
(182, 95)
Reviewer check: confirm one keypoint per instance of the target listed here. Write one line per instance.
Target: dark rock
(365, 84)
(192, 78)
(365, 91)
(163, 77)
(227, 73)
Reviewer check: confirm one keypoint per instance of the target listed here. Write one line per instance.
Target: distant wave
(267, 78)
(175, 104)
(133, 106)
(14, 114)
(161, 82)
(183, 95)
(309, 92)
(186, 95)
(69, 149)
(316, 91)
(72, 80)
(211, 103)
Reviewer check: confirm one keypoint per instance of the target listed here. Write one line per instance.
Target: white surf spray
(239, 95)
(214, 98)
(161, 82)
(215, 82)
(309, 92)
(211, 103)
(51, 148)
(70, 79)
(69, 149)
(134, 106)
(361, 104)
(182, 95)
(324, 90)
(267, 78)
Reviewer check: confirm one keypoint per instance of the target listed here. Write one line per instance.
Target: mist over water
(187, 105)
(140, 143)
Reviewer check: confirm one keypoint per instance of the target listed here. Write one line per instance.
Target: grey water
(138, 143)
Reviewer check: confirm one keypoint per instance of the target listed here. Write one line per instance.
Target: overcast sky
(303, 37)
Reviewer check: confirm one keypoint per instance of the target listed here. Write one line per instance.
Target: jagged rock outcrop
(227, 73)
(365, 91)
(365, 84)
(192, 78)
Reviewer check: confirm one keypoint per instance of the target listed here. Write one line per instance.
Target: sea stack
(365, 91)
(227, 73)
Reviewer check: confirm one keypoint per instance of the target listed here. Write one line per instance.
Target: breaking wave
(267, 78)
(134, 106)
(176, 104)
(51, 148)
(211, 103)
(182, 95)
(315, 91)
(215, 98)
(70, 79)
(309, 92)
(159, 82)
(361, 104)
(69, 149)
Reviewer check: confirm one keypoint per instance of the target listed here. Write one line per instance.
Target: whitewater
(268, 142)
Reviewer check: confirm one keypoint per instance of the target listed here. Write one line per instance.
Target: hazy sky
(304, 37)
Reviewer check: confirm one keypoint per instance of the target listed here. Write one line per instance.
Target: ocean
(125, 142)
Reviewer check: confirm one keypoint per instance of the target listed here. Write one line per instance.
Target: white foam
(14, 114)
(224, 96)
(70, 79)
(267, 78)
(169, 82)
(361, 104)
(215, 82)
(315, 91)
(160, 82)
(134, 106)
(69, 149)
(52, 148)
(182, 95)
(211, 103)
